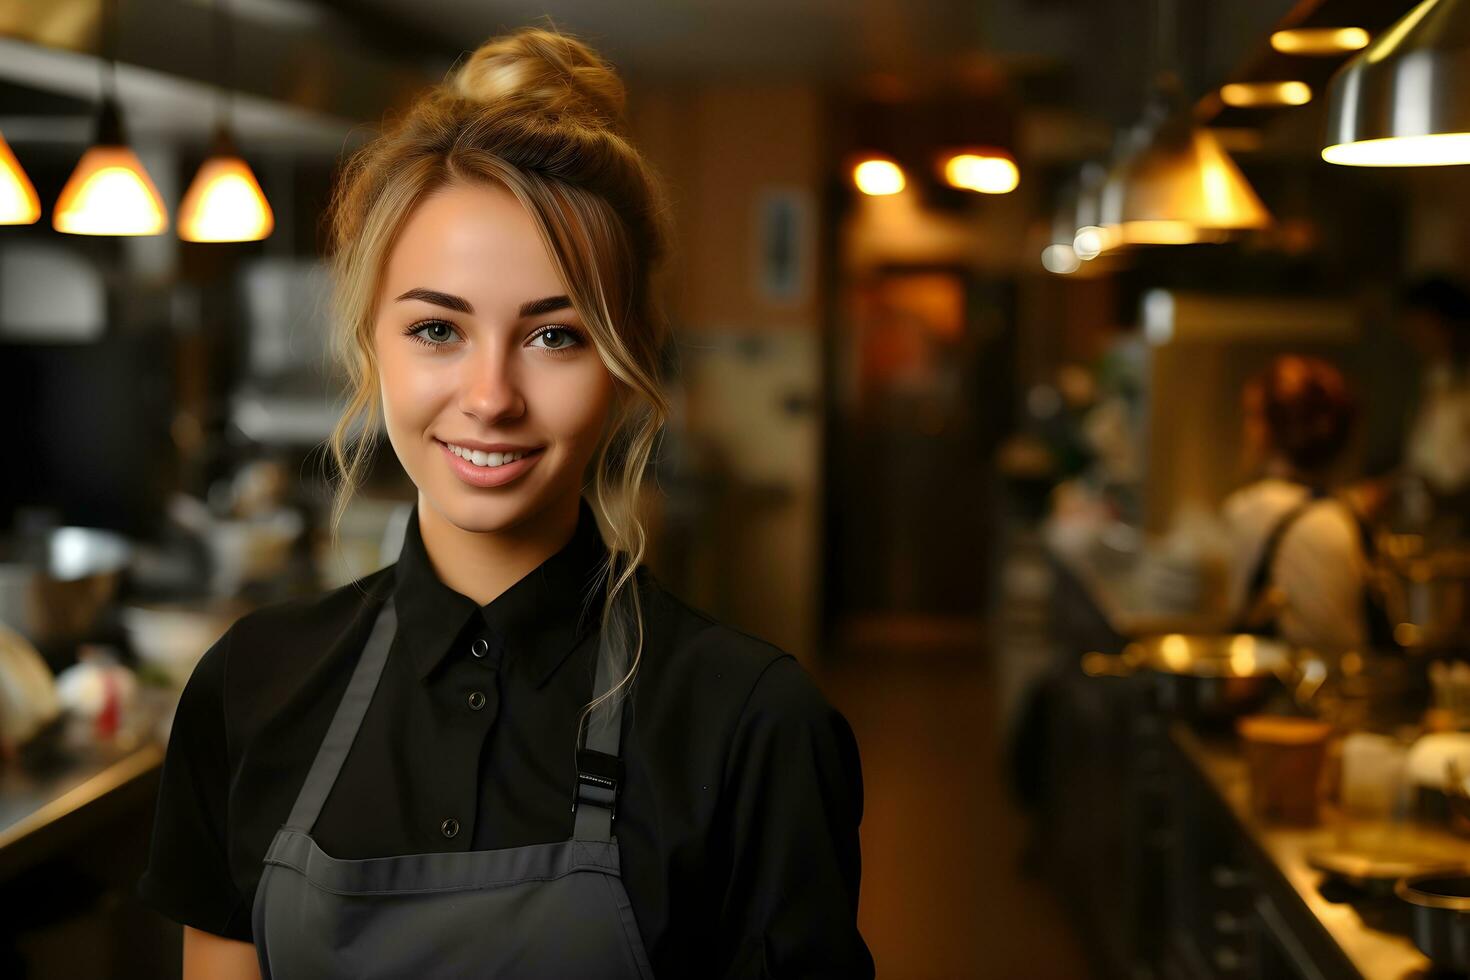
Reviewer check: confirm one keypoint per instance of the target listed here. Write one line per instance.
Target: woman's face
(479, 349)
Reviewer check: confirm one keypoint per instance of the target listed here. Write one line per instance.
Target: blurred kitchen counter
(49, 799)
(1356, 935)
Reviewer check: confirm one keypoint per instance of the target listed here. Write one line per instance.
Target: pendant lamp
(224, 203)
(1177, 186)
(19, 204)
(109, 192)
(1404, 101)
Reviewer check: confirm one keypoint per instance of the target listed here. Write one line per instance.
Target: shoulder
(688, 640)
(1263, 499)
(270, 653)
(749, 680)
(1326, 525)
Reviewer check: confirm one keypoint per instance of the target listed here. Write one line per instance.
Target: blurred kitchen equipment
(53, 592)
(173, 636)
(1441, 917)
(1285, 758)
(1205, 676)
(1372, 692)
(1426, 588)
(241, 549)
(1450, 690)
(28, 695)
(100, 696)
(1431, 763)
(1373, 784)
(1457, 794)
(1373, 857)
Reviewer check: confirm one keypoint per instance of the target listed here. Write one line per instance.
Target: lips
(488, 476)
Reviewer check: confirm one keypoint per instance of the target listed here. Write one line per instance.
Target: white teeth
(482, 458)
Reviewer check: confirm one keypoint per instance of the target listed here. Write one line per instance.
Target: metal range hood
(310, 67)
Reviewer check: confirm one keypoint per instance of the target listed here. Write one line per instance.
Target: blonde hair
(541, 114)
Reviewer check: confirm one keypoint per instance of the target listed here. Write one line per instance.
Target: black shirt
(742, 792)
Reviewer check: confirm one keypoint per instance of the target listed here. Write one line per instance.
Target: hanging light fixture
(1320, 41)
(109, 192)
(224, 203)
(19, 204)
(1404, 101)
(1177, 186)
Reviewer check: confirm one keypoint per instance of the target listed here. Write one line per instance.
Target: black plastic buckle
(598, 777)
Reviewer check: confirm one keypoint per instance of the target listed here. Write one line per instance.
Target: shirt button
(479, 648)
(450, 827)
(477, 700)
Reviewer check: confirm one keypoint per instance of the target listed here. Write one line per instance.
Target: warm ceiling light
(225, 204)
(1181, 177)
(878, 177)
(109, 193)
(1402, 101)
(1320, 40)
(1248, 94)
(19, 204)
(1060, 259)
(987, 172)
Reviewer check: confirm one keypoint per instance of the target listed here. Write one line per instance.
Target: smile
(487, 460)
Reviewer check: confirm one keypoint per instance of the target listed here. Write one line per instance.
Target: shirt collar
(536, 623)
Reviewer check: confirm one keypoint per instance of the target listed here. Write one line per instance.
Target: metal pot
(1208, 676)
(1441, 917)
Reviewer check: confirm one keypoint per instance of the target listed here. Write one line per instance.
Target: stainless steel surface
(1413, 80)
(1441, 917)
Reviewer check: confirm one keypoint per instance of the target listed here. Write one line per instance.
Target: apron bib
(556, 910)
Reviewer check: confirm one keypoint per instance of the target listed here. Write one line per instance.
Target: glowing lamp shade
(1320, 40)
(987, 172)
(1404, 101)
(878, 177)
(110, 194)
(1180, 185)
(1251, 94)
(19, 204)
(225, 204)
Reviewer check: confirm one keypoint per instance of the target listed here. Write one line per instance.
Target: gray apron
(555, 910)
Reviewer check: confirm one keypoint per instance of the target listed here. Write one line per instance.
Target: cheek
(409, 385)
(576, 402)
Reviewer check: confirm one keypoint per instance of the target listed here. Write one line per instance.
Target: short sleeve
(1319, 568)
(794, 798)
(188, 874)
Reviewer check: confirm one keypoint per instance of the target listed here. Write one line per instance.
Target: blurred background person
(1299, 567)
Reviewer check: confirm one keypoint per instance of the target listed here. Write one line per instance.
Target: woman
(1299, 568)
(511, 753)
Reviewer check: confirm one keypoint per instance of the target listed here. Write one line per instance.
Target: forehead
(474, 241)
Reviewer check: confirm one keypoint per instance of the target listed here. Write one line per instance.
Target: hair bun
(549, 71)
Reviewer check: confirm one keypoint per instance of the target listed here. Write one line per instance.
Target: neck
(483, 564)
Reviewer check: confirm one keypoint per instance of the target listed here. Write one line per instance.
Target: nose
(489, 389)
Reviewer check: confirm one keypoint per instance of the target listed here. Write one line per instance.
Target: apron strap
(345, 723)
(1260, 578)
(599, 770)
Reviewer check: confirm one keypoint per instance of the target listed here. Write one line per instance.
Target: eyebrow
(449, 301)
